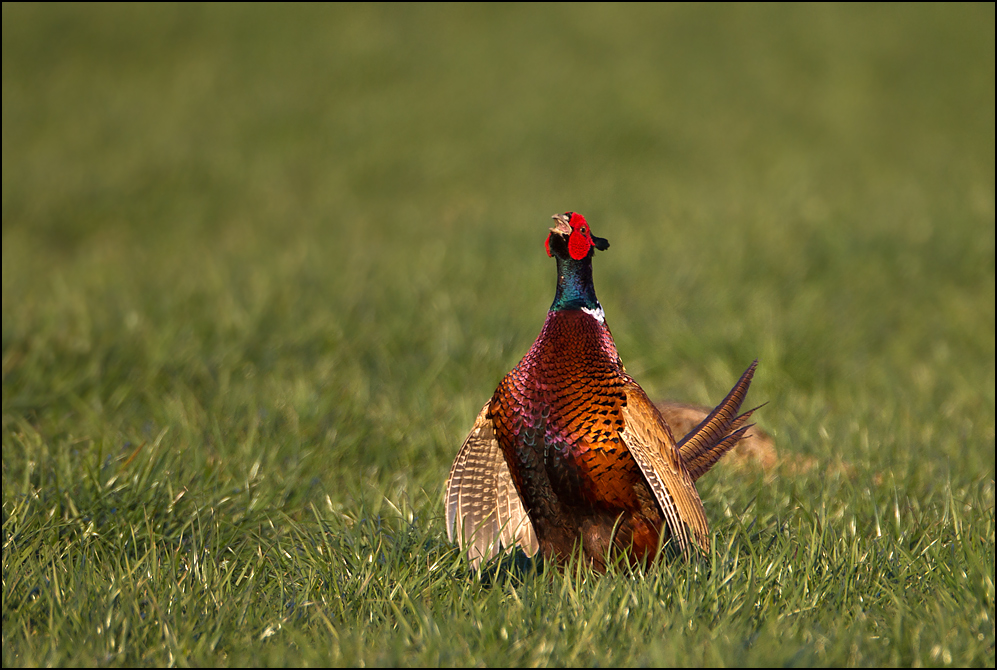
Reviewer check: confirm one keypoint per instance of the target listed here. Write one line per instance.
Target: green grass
(262, 266)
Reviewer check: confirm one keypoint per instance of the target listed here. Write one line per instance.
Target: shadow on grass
(513, 568)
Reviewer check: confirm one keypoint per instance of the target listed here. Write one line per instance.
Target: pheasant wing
(484, 510)
(649, 439)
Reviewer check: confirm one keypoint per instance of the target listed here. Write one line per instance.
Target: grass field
(263, 265)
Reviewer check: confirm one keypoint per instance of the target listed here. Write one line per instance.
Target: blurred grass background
(263, 265)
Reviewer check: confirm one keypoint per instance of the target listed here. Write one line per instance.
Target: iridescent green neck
(575, 289)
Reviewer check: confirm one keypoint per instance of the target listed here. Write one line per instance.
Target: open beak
(563, 224)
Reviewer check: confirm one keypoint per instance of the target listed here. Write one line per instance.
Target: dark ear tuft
(601, 243)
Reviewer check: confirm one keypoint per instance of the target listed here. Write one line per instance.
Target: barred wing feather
(649, 439)
(484, 511)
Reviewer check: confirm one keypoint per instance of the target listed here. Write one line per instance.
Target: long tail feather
(701, 465)
(711, 439)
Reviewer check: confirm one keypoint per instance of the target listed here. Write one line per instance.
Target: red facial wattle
(580, 240)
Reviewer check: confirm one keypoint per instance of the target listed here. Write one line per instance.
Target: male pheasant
(570, 453)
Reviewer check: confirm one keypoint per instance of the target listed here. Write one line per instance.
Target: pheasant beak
(563, 226)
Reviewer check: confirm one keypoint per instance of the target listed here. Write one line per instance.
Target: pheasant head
(572, 245)
(572, 238)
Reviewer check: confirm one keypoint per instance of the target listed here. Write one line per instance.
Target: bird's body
(558, 418)
(570, 453)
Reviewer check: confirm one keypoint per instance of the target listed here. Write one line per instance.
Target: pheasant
(569, 453)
